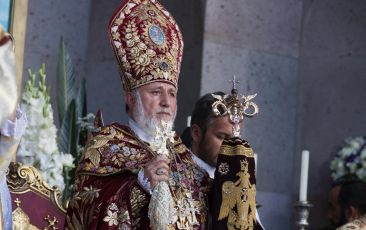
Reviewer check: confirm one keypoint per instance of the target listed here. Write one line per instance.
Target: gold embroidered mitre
(147, 43)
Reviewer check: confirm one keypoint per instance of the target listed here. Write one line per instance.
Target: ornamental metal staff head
(235, 105)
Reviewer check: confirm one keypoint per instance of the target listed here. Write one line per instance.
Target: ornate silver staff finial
(234, 81)
(235, 105)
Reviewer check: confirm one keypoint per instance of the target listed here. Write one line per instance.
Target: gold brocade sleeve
(120, 148)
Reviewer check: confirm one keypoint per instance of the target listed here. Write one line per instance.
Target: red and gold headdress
(147, 43)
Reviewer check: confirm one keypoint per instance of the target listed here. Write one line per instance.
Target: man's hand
(157, 170)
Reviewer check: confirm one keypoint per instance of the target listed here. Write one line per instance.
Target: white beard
(149, 124)
(8, 85)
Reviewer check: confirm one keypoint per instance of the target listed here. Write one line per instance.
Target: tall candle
(189, 121)
(256, 161)
(304, 175)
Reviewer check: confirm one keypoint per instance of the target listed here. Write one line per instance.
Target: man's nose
(165, 100)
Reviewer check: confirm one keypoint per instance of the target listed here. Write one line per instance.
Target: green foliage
(71, 103)
(69, 131)
(65, 81)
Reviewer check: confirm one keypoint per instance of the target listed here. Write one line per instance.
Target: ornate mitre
(147, 43)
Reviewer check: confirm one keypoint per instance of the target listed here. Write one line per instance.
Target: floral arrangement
(55, 151)
(350, 159)
(39, 147)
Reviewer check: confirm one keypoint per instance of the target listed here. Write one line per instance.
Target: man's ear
(196, 133)
(130, 100)
(351, 213)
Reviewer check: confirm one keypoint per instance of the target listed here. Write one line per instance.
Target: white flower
(352, 167)
(111, 218)
(38, 145)
(355, 144)
(67, 160)
(363, 154)
(361, 173)
(351, 159)
(346, 151)
(45, 161)
(113, 207)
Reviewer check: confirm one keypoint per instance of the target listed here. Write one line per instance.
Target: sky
(5, 13)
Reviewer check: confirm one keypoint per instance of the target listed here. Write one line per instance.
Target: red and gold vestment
(107, 194)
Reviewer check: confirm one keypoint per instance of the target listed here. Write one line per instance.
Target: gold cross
(17, 201)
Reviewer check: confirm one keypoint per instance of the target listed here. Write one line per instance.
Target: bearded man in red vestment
(141, 176)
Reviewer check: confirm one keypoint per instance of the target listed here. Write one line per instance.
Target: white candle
(304, 175)
(189, 121)
(255, 161)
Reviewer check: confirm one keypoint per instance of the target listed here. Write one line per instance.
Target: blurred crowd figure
(8, 100)
(347, 204)
(12, 122)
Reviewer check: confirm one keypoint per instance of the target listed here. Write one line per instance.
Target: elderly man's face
(159, 100)
(153, 103)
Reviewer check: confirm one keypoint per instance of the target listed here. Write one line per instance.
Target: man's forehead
(222, 124)
(158, 85)
(224, 120)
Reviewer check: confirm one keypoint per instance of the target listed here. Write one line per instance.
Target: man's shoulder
(114, 131)
(358, 224)
(107, 129)
(112, 149)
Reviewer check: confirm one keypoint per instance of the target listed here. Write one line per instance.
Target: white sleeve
(17, 128)
(144, 182)
(8, 85)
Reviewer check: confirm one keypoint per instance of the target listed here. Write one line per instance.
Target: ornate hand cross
(163, 134)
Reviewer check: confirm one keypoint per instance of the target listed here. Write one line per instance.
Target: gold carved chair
(35, 204)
